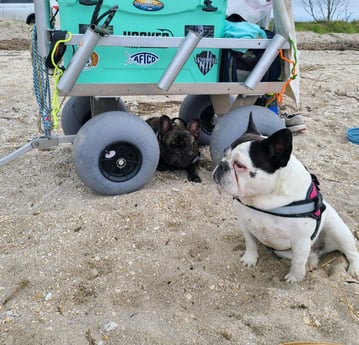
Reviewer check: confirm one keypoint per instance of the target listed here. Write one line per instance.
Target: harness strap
(312, 206)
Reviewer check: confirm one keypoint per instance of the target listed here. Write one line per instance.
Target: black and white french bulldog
(179, 148)
(278, 203)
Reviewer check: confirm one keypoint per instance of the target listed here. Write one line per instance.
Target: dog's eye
(239, 166)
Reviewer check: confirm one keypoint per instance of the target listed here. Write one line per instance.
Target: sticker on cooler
(92, 62)
(158, 33)
(205, 60)
(202, 30)
(148, 5)
(142, 58)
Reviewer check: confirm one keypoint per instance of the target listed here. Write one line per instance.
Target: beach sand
(161, 265)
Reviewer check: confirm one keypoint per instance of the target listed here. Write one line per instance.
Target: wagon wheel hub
(121, 163)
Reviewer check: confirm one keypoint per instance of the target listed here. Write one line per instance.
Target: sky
(301, 15)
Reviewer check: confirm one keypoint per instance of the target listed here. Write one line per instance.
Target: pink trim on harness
(313, 195)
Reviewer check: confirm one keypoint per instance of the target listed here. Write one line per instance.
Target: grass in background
(329, 27)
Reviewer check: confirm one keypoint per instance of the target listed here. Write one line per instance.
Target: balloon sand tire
(77, 111)
(232, 125)
(199, 106)
(115, 153)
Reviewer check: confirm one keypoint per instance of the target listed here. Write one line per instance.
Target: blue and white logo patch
(148, 5)
(205, 61)
(142, 58)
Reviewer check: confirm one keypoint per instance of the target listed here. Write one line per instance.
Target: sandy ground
(161, 265)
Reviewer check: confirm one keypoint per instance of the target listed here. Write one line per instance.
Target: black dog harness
(312, 206)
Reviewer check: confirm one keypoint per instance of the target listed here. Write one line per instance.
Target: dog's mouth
(217, 179)
(239, 167)
(227, 175)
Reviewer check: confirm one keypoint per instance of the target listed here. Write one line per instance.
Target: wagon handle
(208, 6)
(37, 143)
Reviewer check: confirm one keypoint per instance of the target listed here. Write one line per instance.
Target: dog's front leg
(250, 256)
(192, 173)
(300, 254)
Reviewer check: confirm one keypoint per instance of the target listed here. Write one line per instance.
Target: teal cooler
(148, 19)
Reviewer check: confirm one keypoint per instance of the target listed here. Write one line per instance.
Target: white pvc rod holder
(42, 15)
(78, 61)
(262, 66)
(185, 50)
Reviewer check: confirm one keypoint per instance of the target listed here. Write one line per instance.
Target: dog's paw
(353, 269)
(313, 261)
(249, 259)
(194, 178)
(294, 277)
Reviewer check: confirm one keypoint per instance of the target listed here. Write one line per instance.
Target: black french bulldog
(179, 149)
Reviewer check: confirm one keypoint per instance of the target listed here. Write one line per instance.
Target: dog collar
(312, 206)
(195, 159)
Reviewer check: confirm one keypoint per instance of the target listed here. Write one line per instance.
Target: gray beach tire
(235, 123)
(77, 111)
(199, 106)
(115, 153)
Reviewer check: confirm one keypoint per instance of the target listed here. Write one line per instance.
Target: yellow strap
(58, 72)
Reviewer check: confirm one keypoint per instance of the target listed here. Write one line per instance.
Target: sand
(161, 265)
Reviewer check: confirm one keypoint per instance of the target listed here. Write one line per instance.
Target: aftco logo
(143, 58)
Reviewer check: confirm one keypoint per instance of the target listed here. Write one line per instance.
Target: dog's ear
(252, 129)
(165, 124)
(249, 135)
(194, 127)
(279, 147)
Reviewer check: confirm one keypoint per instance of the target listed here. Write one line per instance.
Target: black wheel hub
(120, 162)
